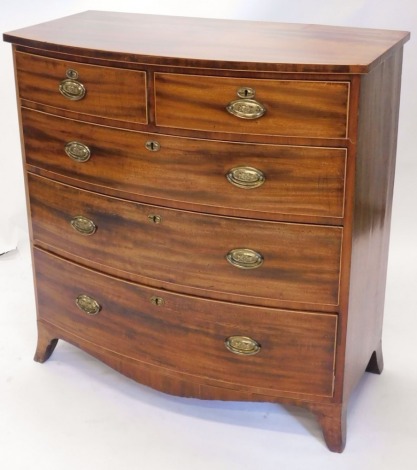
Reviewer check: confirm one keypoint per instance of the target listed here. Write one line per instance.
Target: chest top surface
(182, 41)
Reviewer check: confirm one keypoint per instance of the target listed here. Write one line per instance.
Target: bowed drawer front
(211, 218)
(301, 345)
(270, 181)
(277, 107)
(286, 262)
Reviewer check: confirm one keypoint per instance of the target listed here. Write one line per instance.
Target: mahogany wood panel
(331, 416)
(306, 181)
(213, 43)
(113, 93)
(293, 107)
(301, 262)
(188, 333)
(375, 170)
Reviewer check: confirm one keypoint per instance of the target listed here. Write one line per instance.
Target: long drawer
(269, 179)
(272, 260)
(88, 89)
(297, 108)
(258, 348)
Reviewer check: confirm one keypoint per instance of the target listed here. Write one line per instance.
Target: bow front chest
(210, 201)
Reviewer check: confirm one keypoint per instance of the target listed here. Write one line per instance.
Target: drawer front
(108, 92)
(291, 107)
(306, 181)
(272, 260)
(187, 334)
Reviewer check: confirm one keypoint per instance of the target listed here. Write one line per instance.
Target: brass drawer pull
(242, 345)
(246, 108)
(245, 177)
(83, 225)
(87, 304)
(245, 258)
(77, 151)
(152, 145)
(72, 89)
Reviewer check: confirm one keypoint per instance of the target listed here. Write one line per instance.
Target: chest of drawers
(210, 201)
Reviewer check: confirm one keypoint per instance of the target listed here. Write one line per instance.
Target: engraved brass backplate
(72, 89)
(246, 109)
(77, 151)
(242, 345)
(245, 258)
(83, 225)
(87, 304)
(245, 177)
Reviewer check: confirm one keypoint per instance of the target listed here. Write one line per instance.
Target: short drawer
(272, 260)
(108, 92)
(260, 349)
(296, 108)
(266, 179)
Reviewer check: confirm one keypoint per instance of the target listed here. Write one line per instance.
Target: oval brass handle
(242, 345)
(246, 109)
(77, 151)
(245, 258)
(83, 225)
(87, 304)
(245, 177)
(72, 89)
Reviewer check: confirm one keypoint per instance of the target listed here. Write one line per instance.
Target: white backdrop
(383, 439)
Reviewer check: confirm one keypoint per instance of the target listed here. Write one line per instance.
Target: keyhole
(152, 145)
(156, 219)
(245, 92)
(158, 301)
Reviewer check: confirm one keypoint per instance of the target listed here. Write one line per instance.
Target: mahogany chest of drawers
(210, 201)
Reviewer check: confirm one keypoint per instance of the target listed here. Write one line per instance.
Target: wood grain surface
(113, 93)
(188, 334)
(215, 43)
(293, 107)
(304, 181)
(301, 262)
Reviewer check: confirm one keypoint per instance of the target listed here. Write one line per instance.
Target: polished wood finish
(169, 298)
(112, 93)
(199, 42)
(294, 108)
(375, 170)
(301, 262)
(300, 344)
(304, 181)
